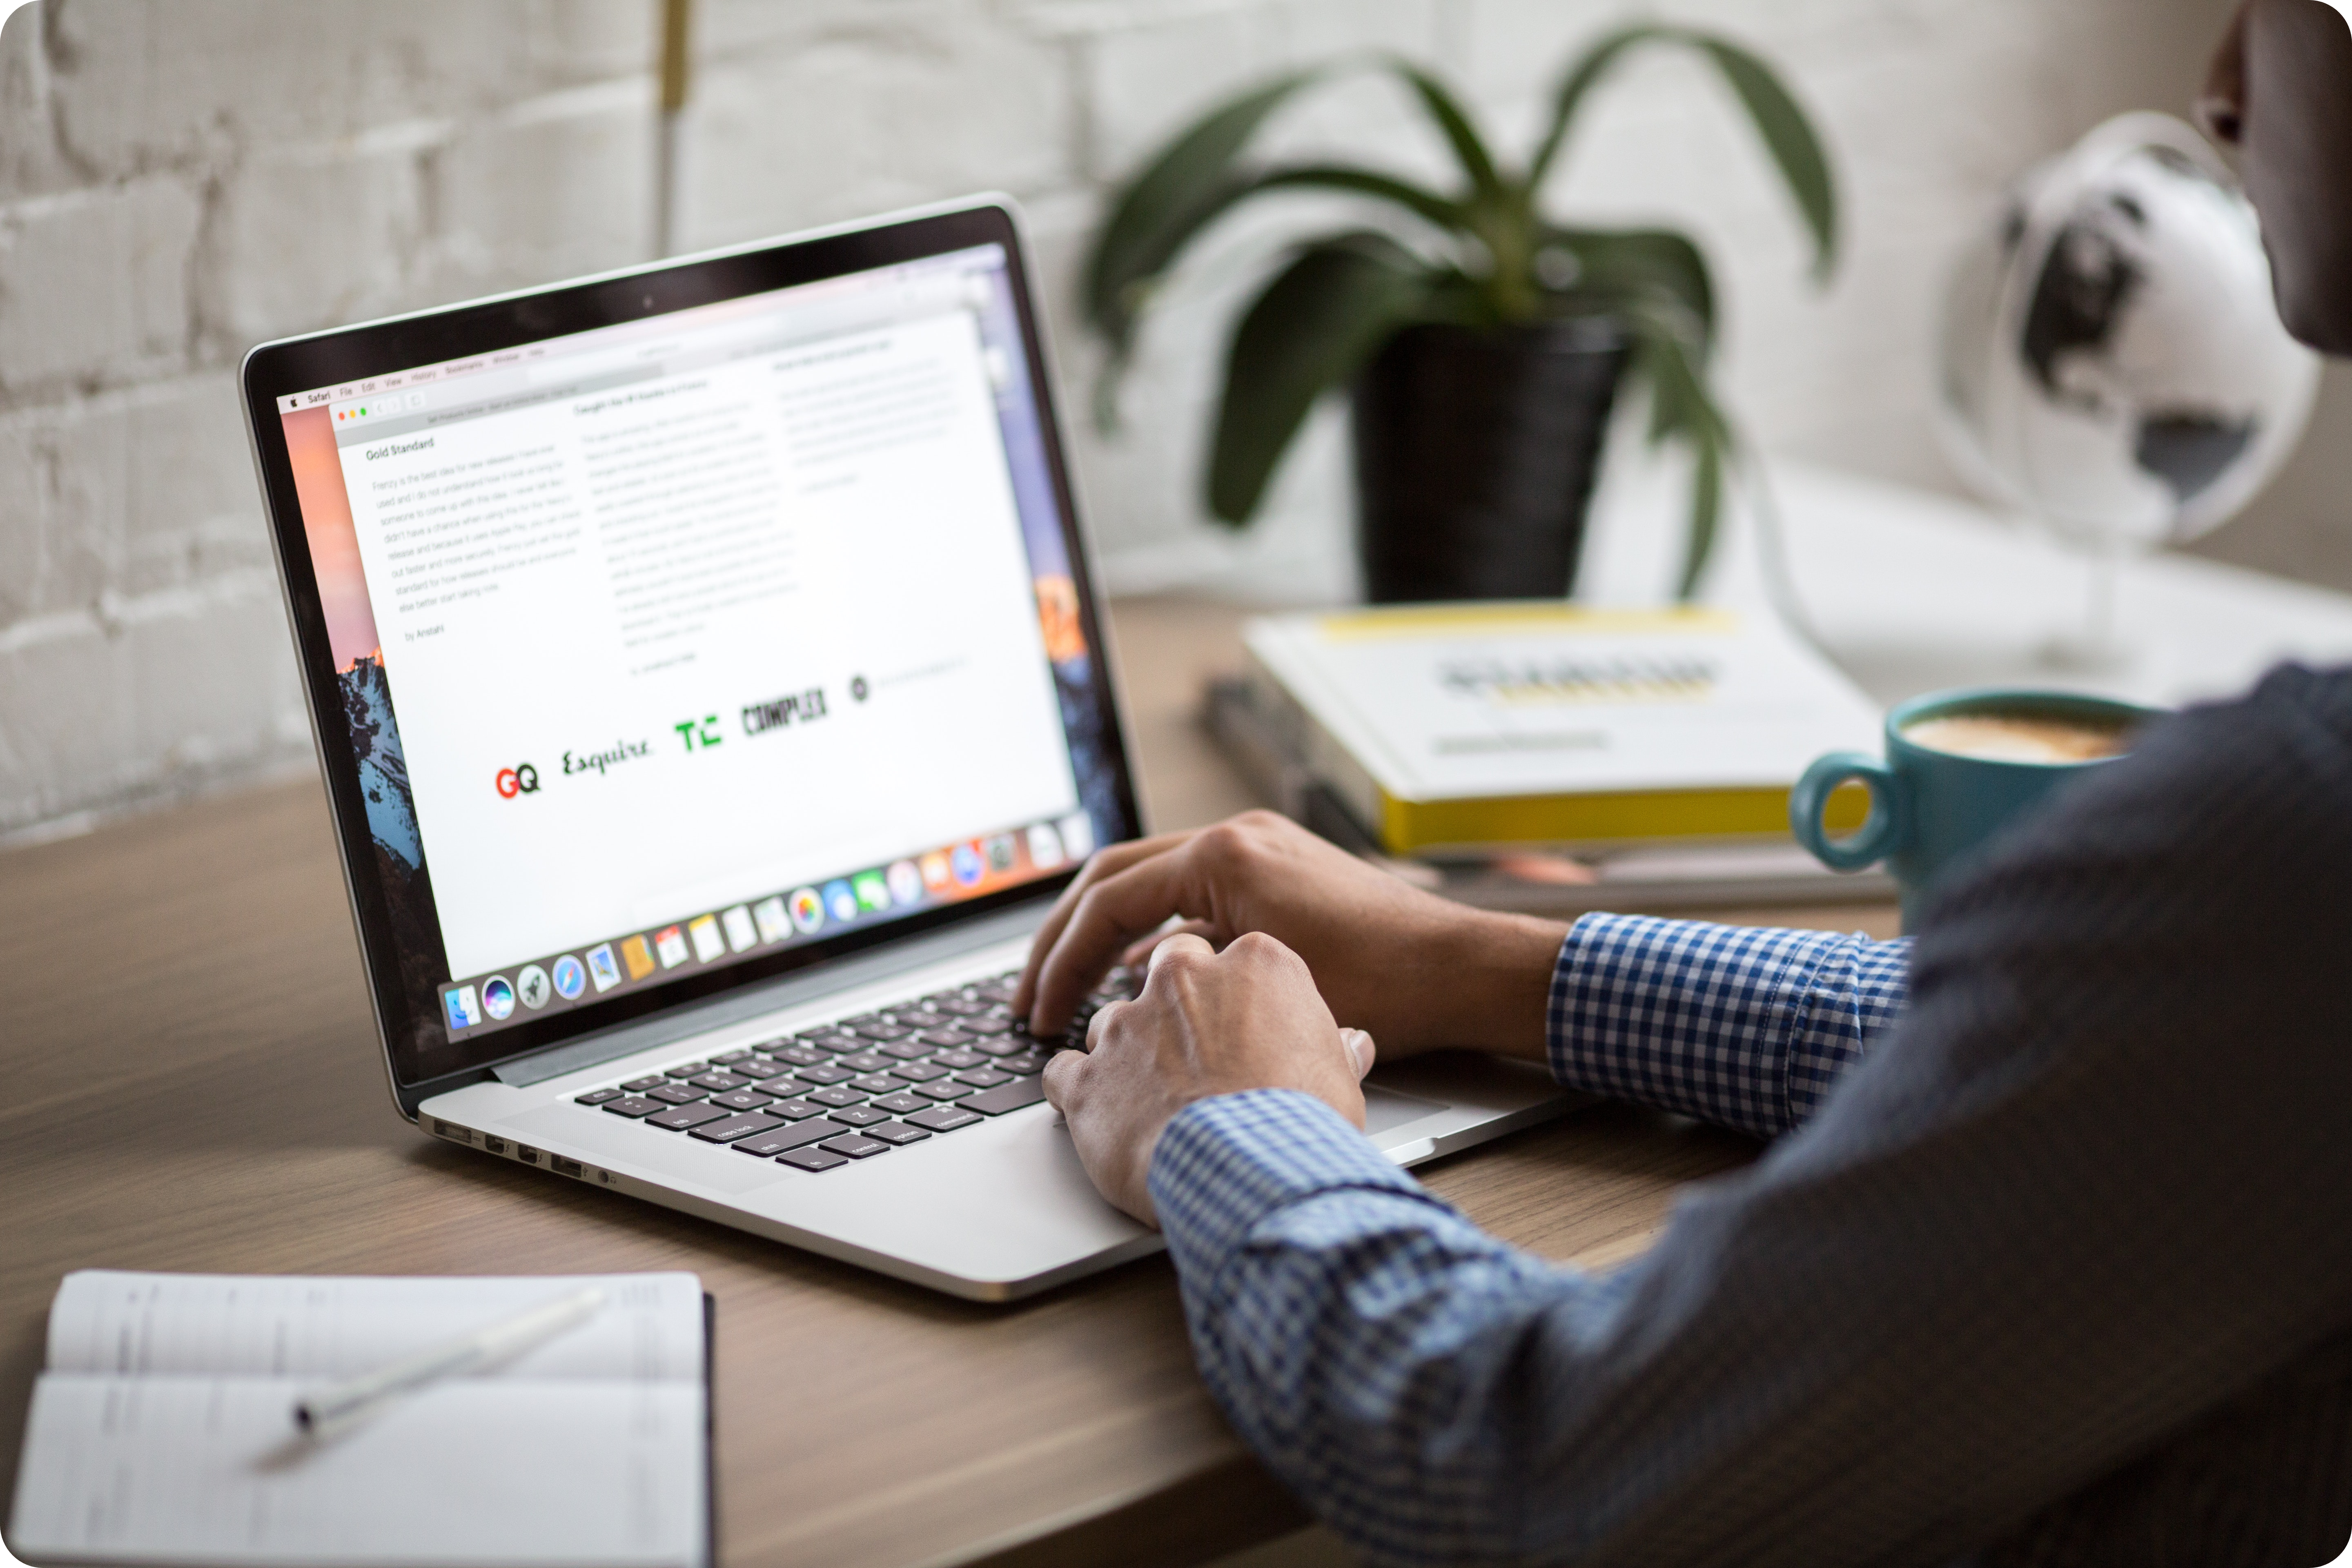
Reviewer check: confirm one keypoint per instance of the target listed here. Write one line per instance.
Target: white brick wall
(180, 178)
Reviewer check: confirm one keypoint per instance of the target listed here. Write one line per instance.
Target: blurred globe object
(2112, 362)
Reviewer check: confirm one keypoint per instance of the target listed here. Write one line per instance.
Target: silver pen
(325, 1412)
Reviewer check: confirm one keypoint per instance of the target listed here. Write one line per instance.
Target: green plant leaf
(1681, 409)
(1578, 83)
(1789, 137)
(1189, 181)
(1620, 265)
(1453, 120)
(1309, 331)
(1780, 122)
(1705, 513)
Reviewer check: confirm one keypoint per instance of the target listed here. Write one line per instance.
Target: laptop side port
(450, 1131)
(495, 1145)
(561, 1166)
(526, 1155)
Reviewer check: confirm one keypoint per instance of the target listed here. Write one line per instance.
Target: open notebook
(161, 1430)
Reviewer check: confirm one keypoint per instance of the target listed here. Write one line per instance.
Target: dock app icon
(463, 1013)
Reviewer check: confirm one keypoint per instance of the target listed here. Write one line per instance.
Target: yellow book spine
(1415, 827)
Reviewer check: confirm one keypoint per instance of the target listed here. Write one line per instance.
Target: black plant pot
(1475, 452)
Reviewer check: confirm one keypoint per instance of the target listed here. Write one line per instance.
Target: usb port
(564, 1167)
(457, 1134)
(495, 1145)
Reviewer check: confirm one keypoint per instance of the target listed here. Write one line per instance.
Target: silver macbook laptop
(710, 689)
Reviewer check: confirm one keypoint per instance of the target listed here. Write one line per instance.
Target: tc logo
(702, 736)
(523, 780)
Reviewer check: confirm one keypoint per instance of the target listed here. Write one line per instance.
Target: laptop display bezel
(288, 367)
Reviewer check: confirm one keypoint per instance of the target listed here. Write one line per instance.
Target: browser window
(671, 643)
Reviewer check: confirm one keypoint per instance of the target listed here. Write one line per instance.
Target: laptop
(711, 691)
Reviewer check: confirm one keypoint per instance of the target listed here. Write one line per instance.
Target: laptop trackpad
(1385, 1109)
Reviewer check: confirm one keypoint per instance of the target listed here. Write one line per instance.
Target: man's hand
(1207, 1023)
(1415, 969)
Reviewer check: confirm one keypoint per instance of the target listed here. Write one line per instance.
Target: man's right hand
(1415, 971)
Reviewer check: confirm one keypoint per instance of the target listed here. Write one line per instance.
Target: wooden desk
(193, 1084)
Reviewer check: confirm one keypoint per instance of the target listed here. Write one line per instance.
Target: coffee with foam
(2018, 737)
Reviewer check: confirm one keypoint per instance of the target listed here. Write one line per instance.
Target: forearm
(1748, 1027)
(1371, 1344)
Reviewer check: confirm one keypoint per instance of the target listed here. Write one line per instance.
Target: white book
(161, 1430)
(1464, 725)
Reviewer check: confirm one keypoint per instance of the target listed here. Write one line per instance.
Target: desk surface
(194, 1085)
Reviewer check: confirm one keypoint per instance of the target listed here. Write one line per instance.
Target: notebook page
(105, 1321)
(474, 1471)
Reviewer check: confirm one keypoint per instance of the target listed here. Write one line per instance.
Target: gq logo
(521, 780)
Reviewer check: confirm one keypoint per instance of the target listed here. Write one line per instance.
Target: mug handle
(1883, 832)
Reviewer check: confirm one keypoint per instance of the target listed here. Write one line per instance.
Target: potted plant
(1484, 341)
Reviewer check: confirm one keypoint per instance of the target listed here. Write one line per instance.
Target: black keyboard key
(639, 1085)
(918, 1072)
(793, 1109)
(959, 1059)
(823, 1075)
(863, 1061)
(1000, 1046)
(986, 1024)
(798, 1135)
(941, 1091)
(884, 1031)
(726, 1058)
(943, 1118)
(1026, 1062)
(743, 1099)
(852, 1024)
(634, 1105)
(875, 1083)
(986, 1078)
(961, 1007)
(942, 1039)
(900, 1103)
(812, 1159)
(839, 1094)
(906, 1051)
(759, 1070)
(857, 1115)
(678, 1118)
(718, 1082)
(915, 1017)
(596, 1097)
(895, 1132)
(856, 1145)
(735, 1127)
(1012, 1097)
(801, 1056)
(676, 1094)
(830, 1038)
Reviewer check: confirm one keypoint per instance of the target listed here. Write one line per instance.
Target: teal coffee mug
(1960, 766)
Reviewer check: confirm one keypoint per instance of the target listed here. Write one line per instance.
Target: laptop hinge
(916, 953)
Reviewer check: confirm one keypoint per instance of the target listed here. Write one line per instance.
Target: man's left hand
(1206, 1023)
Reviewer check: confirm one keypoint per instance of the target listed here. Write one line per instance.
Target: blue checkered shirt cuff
(1223, 1165)
(1745, 1026)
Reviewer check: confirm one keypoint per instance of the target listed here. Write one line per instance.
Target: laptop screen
(701, 643)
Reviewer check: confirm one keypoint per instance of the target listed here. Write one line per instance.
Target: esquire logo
(614, 755)
(521, 779)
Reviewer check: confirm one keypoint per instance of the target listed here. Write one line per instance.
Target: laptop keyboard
(858, 1086)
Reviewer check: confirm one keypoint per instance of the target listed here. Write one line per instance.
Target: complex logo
(782, 713)
(521, 779)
